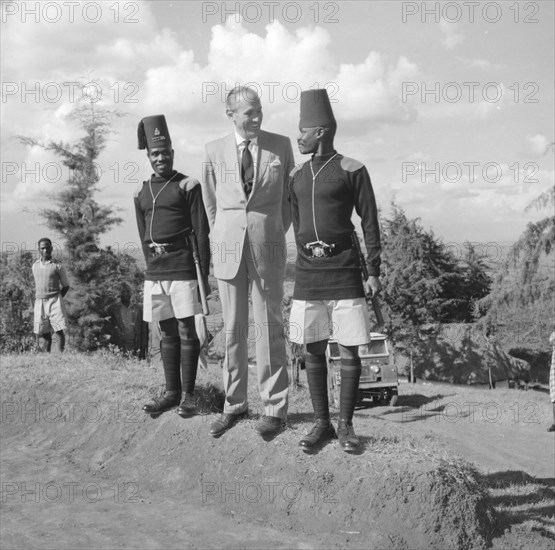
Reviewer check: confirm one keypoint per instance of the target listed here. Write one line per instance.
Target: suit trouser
(267, 331)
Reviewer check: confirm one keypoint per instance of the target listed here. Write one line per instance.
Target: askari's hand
(373, 286)
(207, 286)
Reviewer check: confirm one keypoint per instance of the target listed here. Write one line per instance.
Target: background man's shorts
(345, 320)
(50, 315)
(167, 299)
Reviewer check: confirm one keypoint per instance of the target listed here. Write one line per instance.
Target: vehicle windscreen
(376, 347)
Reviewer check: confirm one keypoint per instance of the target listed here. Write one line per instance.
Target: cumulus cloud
(418, 156)
(481, 202)
(538, 144)
(441, 101)
(480, 63)
(370, 90)
(367, 91)
(49, 36)
(451, 38)
(142, 69)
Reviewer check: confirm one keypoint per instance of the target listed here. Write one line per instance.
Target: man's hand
(207, 286)
(372, 286)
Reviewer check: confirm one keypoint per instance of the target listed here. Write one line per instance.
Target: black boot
(321, 432)
(317, 376)
(350, 377)
(188, 406)
(348, 440)
(169, 400)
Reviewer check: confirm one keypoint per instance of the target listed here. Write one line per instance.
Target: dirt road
(496, 430)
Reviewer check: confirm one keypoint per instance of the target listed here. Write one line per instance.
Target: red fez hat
(153, 132)
(316, 109)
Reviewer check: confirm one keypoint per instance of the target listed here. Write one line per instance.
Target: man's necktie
(247, 169)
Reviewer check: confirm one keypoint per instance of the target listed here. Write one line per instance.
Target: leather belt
(163, 248)
(320, 249)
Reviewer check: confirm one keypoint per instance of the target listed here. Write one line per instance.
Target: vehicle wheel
(360, 398)
(394, 400)
(384, 398)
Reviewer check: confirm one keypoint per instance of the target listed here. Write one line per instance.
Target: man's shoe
(551, 428)
(225, 422)
(187, 407)
(321, 432)
(168, 401)
(270, 426)
(347, 438)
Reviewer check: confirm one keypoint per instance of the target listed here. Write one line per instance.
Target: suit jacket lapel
(263, 157)
(231, 162)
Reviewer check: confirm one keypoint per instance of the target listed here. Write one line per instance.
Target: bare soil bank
(82, 465)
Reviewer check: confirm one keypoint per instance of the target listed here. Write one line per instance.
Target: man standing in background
(128, 330)
(51, 285)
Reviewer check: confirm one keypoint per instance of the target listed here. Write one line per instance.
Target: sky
(449, 105)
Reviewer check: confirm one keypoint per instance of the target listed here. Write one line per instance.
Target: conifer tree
(424, 283)
(522, 300)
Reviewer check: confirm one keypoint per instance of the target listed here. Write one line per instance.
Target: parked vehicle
(378, 380)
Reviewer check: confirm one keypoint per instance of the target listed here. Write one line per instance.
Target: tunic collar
(155, 178)
(323, 158)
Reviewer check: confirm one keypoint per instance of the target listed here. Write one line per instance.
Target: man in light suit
(245, 195)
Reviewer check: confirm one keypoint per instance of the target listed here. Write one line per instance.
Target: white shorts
(345, 320)
(50, 315)
(166, 299)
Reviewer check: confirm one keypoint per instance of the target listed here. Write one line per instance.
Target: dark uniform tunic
(342, 185)
(177, 210)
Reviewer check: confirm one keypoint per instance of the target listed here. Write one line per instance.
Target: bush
(17, 298)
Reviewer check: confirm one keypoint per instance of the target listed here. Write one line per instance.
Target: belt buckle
(159, 249)
(319, 249)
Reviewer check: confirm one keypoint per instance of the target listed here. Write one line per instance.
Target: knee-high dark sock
(350, 377)
(190, 350)
(61, 341)
(317, 376)
(169, 350)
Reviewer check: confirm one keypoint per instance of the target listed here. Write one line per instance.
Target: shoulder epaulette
(296, 169)
(351, 165)
(188, 183)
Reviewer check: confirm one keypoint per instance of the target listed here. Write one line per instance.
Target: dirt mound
(401, 492)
